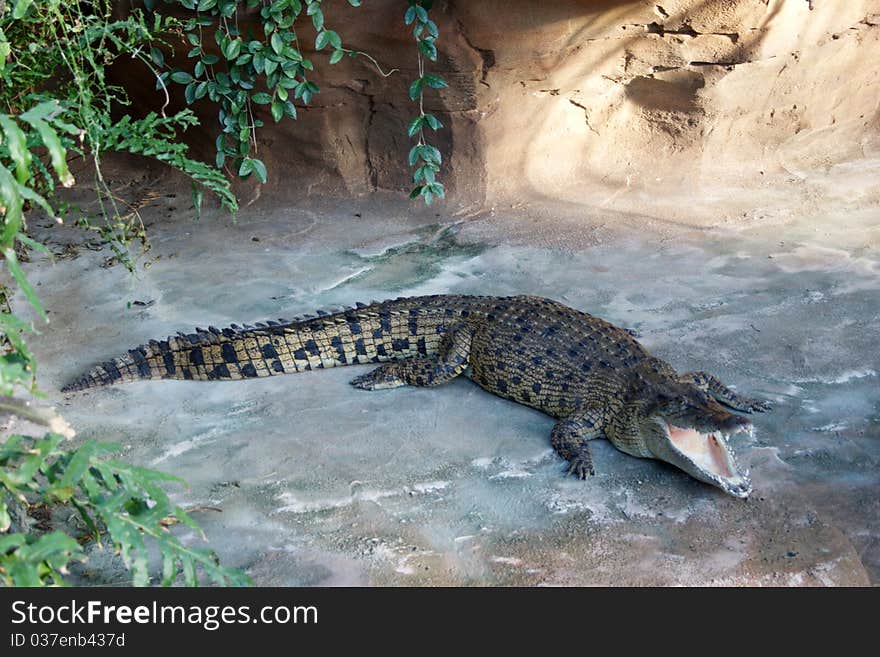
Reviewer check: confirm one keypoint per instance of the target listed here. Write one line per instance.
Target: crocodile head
(687, 428)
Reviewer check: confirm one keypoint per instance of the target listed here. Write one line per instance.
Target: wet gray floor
(320, 483)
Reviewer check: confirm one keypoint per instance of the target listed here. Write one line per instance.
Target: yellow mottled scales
(595, 378)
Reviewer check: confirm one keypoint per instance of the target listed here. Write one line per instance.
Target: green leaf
(246, 167)
(354, 3)
(261, 98)
(416, 192)
(189, 571)
(157, 56)
(181, 77)
(277, 110)
(5, 520)
(337, 56)
(428, 49)
(433, 121)
(431, 154)
(435, 81)
(277, 43)
(233, 49)
(334, 39)
(5, 49)
(41, 111)
(16, 144)
(410, 15)
(21, 7)
(78, 464)
(414, 154)
(31, 243)
(10, 196)
(57, 153)
(198, 196)
(169, 566)
(259, 169)
(424, 173)
(317, 18)
(415, 125)
(322, 40)
(415, 89)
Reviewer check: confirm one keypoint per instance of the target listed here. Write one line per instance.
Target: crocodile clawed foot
(381, 378)
(581, 467)
(762, 405)
(750, 405)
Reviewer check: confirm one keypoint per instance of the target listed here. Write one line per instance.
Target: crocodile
(594, 378)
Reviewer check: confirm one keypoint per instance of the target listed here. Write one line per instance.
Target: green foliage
(423, 156)
(121, 503)
(155, 136)
(242, 69)
(60, 52)
(20, 137)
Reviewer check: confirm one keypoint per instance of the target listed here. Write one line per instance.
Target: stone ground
(322, 484)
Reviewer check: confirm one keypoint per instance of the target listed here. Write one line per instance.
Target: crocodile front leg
(712, 385)
(423, 371)
(570, 438)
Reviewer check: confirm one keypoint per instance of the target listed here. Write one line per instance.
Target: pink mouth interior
(703, 449)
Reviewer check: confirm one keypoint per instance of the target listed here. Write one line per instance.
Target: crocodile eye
(664, 397)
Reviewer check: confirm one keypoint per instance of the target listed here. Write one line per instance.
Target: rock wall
(662, 108)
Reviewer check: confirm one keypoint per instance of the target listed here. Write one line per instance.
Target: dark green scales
(595, 378)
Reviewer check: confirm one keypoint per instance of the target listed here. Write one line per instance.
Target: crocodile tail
(376, 333)
(149, 361)
(206, 355)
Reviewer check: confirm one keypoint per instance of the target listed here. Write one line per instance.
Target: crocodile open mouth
(710, 458)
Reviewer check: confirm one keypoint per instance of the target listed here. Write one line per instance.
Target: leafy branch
(125, 503)
(248, 69)
(425, 34)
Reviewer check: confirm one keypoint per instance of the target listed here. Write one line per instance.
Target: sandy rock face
(601, 102)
